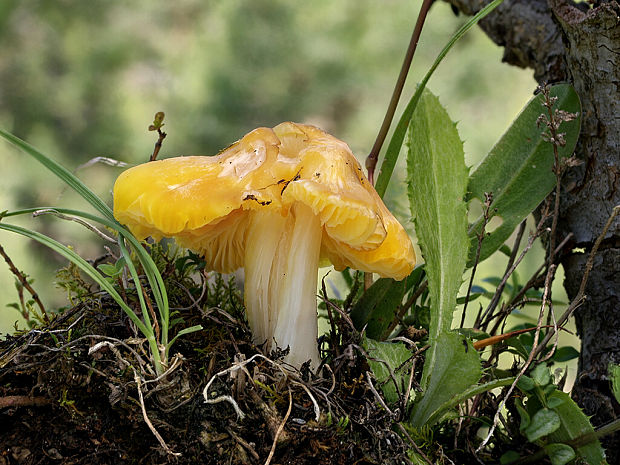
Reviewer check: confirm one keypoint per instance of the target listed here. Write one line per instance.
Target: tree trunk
(580, 43)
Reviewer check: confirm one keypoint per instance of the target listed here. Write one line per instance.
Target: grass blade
(82, 264)
(63, 173)
(150, 269)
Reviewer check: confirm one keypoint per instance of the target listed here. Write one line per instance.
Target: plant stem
(577, 301)
(518, 298)
(480, 236)
(156, 126)
(373, 157)
(24, 282)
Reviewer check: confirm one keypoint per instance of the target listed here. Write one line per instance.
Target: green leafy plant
(518, 170)
(437, 180)
(127, 243)
(516, 176)
(551, 419)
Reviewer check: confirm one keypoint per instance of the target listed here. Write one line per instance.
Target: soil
(81, 390)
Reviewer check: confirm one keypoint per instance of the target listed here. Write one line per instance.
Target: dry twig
(158, 122)
(147, 420)
(488, 200)
(280, 428)
(577, 301)
(526, 365)
(21, 277)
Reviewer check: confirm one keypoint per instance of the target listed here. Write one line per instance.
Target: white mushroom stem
(281, 265)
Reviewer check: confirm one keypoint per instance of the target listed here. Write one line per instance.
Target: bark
(579, 43)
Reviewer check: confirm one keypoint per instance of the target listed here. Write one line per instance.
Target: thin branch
(518, 299)
(526, 365)
(280, 428)
(579, 298)
(509, 270)
(412, 442)
(378, 396)
(244, 443)
(158, 122)
(21, 277)
(148, 421)
(406, 306)
(488, 200)
(334, 333)
(373, 157)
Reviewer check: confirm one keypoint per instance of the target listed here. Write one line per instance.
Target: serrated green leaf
(543, 423)
(517, 170)
(383, 355)
(456, 369)
(554, 402)
(559, 454)
(444, 410)
(437, 179)
(614, 374)
(574, 423)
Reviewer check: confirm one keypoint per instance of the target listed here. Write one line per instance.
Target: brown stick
(488, 200)
(502, 337)
(373, 157)
(158, 122)
(578, 300)
(23, 401)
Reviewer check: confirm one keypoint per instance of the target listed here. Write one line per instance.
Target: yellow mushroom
(279, 203)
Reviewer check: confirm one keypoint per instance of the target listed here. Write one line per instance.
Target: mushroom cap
(206, 203)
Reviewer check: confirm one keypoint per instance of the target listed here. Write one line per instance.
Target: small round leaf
(544, 422)
(560, 454)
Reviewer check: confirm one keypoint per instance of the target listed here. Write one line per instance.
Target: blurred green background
(82, 79)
